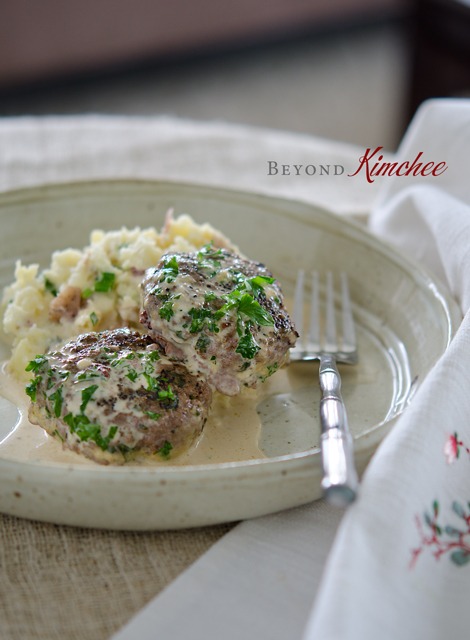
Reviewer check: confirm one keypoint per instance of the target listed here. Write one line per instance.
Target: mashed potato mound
(99, 283)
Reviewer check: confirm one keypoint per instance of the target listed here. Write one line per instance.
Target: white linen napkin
(400, 566)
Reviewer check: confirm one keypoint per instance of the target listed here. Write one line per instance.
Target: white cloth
(399, 567)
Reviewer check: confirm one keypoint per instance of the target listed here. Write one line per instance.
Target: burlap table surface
(71, 583)
(60, 583)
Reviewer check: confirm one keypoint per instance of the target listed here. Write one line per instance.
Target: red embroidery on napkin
(448, 539)
(452, 448)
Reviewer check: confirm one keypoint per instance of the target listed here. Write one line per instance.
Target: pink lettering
(379, 168)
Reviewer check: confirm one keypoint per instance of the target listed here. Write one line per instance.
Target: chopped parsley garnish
(252, 309)
(201, 318)
(103, 284)
(152, 383)
(153, 415)
(116, 362)
(86, 430)
(169, 270)
(50, 379)
(258, 283)
(209, 253)
(87, 395)
(32, 387)
(165, 449)
(247, 346)
(168, 399)
(202, 343)
(243, 301)
(168, 393)
(132, 375)
(106, 282)
(87, 375)
(166, 310)
(94, 318)
(50, 286)
(36, 364)
(57, 399)
(271, 368)
(210, 258)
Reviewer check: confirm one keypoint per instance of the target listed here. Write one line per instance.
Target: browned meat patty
(220, 314)
(113, 395)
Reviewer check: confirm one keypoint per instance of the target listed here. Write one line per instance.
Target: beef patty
(221, 315)
(114, 395)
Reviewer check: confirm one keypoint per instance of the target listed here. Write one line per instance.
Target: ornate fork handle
(340, 481)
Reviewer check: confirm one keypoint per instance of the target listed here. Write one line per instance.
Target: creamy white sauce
(231, 434)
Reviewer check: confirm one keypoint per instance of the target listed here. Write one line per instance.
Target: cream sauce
(231, 434)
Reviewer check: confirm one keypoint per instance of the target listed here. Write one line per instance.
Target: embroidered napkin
(400, 566)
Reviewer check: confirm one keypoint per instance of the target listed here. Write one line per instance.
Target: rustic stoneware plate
(405, 322)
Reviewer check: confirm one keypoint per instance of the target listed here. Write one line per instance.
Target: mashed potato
(91, 289)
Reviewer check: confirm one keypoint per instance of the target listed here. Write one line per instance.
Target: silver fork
(339, 481)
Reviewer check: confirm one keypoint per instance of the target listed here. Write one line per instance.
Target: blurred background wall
(341, 69)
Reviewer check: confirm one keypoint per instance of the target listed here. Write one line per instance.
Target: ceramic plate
(405, 322)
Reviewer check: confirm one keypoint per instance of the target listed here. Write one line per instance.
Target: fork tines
(318, 338)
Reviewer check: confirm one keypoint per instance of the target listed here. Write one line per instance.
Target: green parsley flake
(202, 343)
(132, 375)
(166, 310)
(153, 415)
(106, 282)
(252, 309)
(32, 387)
(36, 364)
(86, 430)
(87, 395)
(58, 435)
(169, 270)
(87, 376)
(166, 394)
(258, 283)
(57, 399)
(271, 368)
(247, 346)
(201, 318)
(165, 449)
(209, 253)
(50, 286)
(94, 318)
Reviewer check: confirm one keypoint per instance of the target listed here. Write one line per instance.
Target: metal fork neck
(340, 480)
